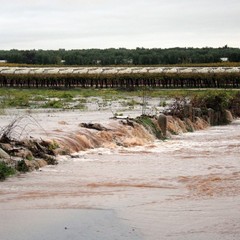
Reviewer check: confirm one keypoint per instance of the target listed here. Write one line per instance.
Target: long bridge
(120, 77)
(115, 70)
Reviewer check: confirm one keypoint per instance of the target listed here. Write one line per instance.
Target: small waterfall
(119, 133)
(176, 125)
(126, 133)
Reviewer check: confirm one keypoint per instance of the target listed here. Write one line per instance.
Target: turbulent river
(187, 187)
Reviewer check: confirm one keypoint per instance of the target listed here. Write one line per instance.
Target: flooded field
(187, 187)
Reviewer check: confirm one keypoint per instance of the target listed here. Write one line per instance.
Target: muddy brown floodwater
(187, 187)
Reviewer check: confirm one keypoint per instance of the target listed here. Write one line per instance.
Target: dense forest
(121, 56)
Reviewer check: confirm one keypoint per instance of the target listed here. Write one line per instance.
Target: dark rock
(7, 147)
(228, 116)
(162, 122)
(51, 160)
(196, 113)
(95, 126)
(24, 153)
(211, 116)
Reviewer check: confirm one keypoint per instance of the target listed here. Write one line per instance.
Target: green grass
(27, 98)
(130, 103)
(53, 104)
(150, 126)
(5, 171)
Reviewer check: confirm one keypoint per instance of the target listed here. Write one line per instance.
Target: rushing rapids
(29, 153)
(126, 133)
(183, 188)
(111, 135)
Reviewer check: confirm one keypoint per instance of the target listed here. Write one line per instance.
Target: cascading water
(111, 135)
(125, 184)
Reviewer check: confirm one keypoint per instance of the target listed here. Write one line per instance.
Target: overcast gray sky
(78, 24)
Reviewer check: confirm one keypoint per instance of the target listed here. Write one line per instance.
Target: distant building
(128, 61)
(224, 59)
(63, 61)
(3, 61)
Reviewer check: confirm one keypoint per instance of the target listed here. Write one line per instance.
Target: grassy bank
(43, 98)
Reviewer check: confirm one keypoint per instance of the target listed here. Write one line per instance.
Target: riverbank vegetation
(6, 171)
(78, 98)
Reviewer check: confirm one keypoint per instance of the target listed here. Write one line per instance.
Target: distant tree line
(121, 56)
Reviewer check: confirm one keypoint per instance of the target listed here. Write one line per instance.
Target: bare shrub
(20, 127)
